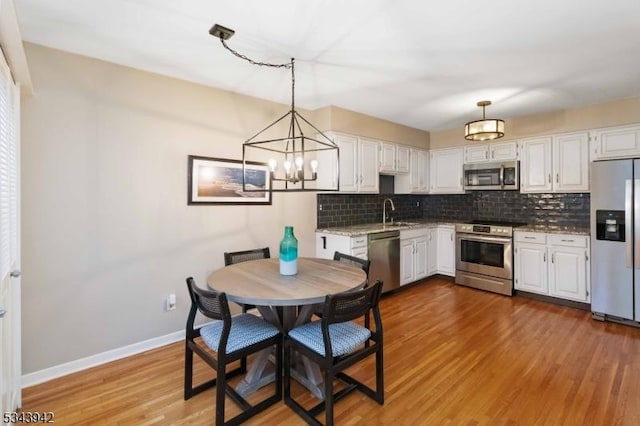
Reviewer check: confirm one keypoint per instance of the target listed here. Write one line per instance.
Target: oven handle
(483, 238)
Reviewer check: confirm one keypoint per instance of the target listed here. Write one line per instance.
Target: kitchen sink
(402, 223)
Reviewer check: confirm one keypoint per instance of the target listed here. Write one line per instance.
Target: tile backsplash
(534, 209)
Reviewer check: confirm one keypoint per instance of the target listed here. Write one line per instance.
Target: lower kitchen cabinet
(327, 244)
(553, 264)
(446, 250)
(414, 255)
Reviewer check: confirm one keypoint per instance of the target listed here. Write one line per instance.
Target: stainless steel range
(484, 255)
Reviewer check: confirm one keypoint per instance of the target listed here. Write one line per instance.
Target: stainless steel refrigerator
(615, 240)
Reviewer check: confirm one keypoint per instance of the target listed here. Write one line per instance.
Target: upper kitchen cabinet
(393, 158)
(502, 151)
(558, 163)
(358, 164)
(615, 142)
(417, 180)
(446, 171)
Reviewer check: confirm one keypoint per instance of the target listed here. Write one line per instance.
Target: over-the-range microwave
(492, 176)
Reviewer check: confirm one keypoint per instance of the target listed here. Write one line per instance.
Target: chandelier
(485, 129)
(294, 158)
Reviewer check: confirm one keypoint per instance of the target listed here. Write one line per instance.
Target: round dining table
(285, 300)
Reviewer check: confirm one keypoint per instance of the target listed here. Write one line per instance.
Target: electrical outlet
(417, 203)
(171, 302)
(320, 207)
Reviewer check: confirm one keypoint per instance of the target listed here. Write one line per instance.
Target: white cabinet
(615, 142)
(446, 250)
(327, 244)
(393, 158)
(358, 164)
(446, 171)
(501, 151)
(553, 264)
(417, 180)
(432, 249)
(558, 163)
(414, 252)
(530, 259)
(535, 165)
(569, 268)
(403, 159)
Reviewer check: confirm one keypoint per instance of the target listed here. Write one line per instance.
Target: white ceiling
(421, 63)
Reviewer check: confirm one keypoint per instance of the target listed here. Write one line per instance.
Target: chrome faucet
(384, 210)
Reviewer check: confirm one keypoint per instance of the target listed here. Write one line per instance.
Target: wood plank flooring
(453, 355)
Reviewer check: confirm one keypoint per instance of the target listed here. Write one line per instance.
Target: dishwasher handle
(386, 235)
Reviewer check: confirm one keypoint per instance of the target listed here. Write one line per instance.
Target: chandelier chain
(251, 61)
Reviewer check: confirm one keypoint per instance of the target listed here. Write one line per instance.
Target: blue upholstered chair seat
(345, 336)
(246, 330)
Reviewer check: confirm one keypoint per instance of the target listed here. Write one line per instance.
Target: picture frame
(219, 181)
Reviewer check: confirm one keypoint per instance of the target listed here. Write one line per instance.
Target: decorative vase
(288, 252)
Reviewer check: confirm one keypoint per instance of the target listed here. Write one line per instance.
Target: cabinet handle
(567, 241)
(549, 178)
(544, 257)
(486, 155)
(553, 258)
(451, 237)
(586, 256)
(530, 238)
(557, 177)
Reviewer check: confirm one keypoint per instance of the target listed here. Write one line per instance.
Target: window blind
(8, 169)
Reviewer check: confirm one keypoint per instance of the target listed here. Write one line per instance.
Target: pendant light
(485, 129)
(293, 158)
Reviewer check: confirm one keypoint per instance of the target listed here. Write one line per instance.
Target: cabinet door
(446, 251)
(568, 273)
(420, 259)
(360, 252)
(531, 268)
(504, 151)
(368, 166)
(406, 261)
(423, 171)
(535, 165)
(387, 158)
(446, 171)
(402, 159)
(617, 142)
(348, 162)
(476, 154)
(432, 255)
(571, 162)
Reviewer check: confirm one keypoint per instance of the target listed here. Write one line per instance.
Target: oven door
(486, 255)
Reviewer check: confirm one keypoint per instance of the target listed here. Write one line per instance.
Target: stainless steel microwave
(492, 176)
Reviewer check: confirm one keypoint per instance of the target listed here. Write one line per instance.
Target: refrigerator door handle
(627, 220)
(636, 224)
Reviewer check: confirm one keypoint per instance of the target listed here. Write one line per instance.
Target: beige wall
(107, 232)
(342, 120)
(626, 111)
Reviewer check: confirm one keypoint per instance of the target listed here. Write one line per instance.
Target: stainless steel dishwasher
(384, 254)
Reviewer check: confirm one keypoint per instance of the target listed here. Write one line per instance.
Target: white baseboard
(54, 372)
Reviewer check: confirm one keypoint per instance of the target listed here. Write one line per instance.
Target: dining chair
(231, 338)
(242, 256)
(335, 342)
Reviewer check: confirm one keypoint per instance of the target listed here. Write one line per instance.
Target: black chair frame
(214, 305)
(340, 308)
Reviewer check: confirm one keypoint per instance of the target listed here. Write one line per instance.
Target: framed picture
(219, 181)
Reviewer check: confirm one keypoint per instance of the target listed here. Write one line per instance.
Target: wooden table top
(258, 282)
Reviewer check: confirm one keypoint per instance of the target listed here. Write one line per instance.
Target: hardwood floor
(453, 355)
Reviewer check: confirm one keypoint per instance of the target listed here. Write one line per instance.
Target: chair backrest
(350, 305)
(242, 256)
(365, 264)
(210, 303)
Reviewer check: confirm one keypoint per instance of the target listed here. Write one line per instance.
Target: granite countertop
(555, 229)
(369, 228)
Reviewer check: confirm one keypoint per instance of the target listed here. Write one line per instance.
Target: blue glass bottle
(288, 252)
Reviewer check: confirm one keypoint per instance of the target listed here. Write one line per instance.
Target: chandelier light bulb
(273, 164)
(299, 162)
